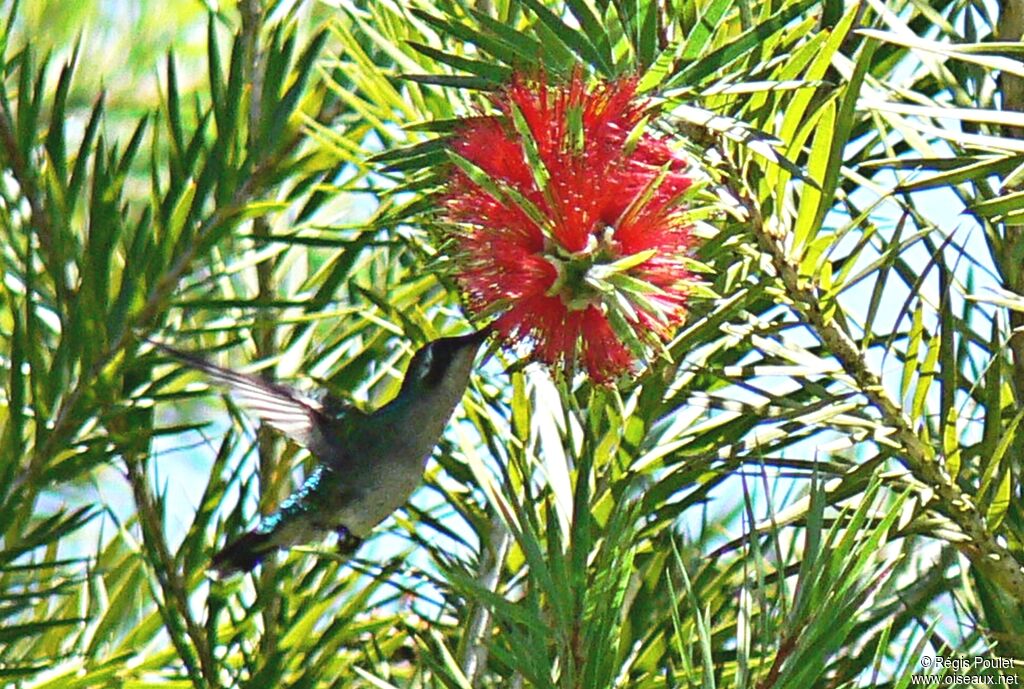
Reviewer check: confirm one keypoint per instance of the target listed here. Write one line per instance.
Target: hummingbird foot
(242, 554)
(348, 542)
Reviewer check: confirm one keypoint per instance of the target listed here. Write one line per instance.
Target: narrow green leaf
(174, 121)
(527, 47)
(25, 122)
(56, 145)
(14, 633)
(925, 377)
(576, 41)
(648, 38)
(299, 79)
(740, 46)
(707, 24)
(951, 444)
(994, 464)
(124, 164)
(910, 363)
(845, 121)
(945, 50)
(757, 141)
(980, 169)
(999, 206)
(812, 200)
(992, 395)
(13, 437)
(457, 81)
(1000, 502)
(78, 173)
(215, 70)
(508, 53)
(502, 192)
(481, 68)
(541, 176)
(596, 33)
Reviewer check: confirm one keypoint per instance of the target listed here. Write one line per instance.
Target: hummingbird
(367, 463)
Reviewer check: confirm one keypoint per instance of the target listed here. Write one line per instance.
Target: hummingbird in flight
(368, 464)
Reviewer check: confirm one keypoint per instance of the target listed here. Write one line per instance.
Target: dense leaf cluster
(820, 487)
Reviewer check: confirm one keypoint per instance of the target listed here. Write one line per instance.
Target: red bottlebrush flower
(566, 219)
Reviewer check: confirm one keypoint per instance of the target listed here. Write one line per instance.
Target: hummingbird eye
(436, 359)
(427, 362)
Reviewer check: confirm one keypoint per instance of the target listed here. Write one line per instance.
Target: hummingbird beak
(474, 338)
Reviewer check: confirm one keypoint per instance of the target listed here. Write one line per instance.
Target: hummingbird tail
(242, 554)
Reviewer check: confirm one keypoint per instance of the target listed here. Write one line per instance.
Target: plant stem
(1011, 28)
(474, 658)
(918, 457)
(171, 583)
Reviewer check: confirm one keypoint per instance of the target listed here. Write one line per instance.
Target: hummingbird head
(443, 363)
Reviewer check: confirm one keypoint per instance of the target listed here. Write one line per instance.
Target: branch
(919, 458)
(171, 583)
(1011, 28)
(263, 331)
(39, 218)
(474, 657)
(154, 306)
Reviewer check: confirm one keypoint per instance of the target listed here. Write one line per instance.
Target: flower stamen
(565, 212)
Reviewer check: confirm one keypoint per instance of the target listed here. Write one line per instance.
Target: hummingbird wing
(286, 409)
